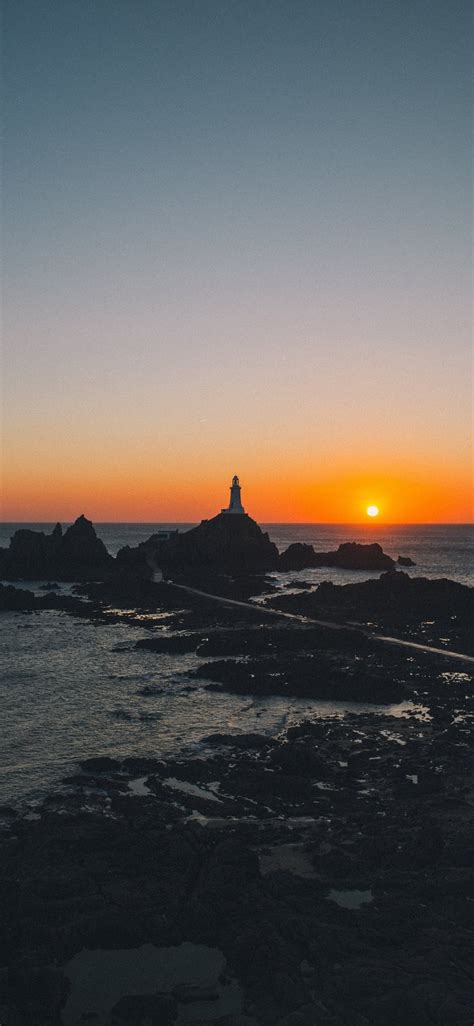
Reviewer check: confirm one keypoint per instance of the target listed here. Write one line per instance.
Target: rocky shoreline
(331, 867)
(319, 876)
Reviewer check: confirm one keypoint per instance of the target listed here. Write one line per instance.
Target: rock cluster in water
(76, 554)
(225, 544)
(237, 545)
(349, 556)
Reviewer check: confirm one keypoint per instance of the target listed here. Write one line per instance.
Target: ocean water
(71, 689)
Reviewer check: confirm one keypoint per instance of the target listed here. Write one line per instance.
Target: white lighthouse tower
(235, 504)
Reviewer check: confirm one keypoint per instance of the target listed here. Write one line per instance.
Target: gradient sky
(236, 239)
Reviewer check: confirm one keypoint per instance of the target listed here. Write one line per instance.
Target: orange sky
(236, 244)
(155, 488)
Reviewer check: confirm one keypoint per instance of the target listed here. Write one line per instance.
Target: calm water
(71, 689)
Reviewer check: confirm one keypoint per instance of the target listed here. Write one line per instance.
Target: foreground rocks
(22, 600)
(430, 611)
(332, 867)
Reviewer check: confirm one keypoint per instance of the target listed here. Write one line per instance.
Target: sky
(236, 239)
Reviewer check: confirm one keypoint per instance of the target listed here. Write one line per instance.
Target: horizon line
(270, 523)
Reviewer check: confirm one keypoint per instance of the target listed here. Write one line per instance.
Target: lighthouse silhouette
(235, 504)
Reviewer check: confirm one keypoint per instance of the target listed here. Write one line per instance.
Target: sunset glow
(230, 265)
(373, 511)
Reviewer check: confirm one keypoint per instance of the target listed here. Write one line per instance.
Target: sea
(71, 689)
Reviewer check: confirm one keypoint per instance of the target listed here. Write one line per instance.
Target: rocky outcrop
(349, 556)
(145, 1008)
(20, 599)
(135, 562)
(298, 556)
(423, 610)
(301, 676)
(401, 593)
(227, 544)
(78, 554)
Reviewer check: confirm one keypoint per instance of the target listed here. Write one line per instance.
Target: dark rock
(134, 562)
(310, 1015)
(78, 554)
(245, 741)
(234, 1020)
(277, 639)
(352, 556)
(298, 556)
(405, 561)
(41, 990)
(305, 677)
(233, 544)
(8, 812)
(16, 598)
(174, 643)
(299, 758)
(394, 600)
(23, 600)
(188, 993)
(100, 764)
(81, 549)
(349, 556)
(145, 1010)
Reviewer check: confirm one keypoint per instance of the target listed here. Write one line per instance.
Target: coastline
(277, 862)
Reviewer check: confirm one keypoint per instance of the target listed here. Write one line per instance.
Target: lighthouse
(235, 504)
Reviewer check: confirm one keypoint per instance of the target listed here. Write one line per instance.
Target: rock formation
(427, 611)
(349, 556)
(78, 554)
(227, 544)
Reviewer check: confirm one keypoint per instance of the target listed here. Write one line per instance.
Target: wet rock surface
(261, 848)
(22, 599)
(429, 611)
(331, 865)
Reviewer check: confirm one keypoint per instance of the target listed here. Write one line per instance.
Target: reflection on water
(73, 689)
(351, 899)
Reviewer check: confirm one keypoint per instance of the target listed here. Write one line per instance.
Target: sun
(373, 511)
